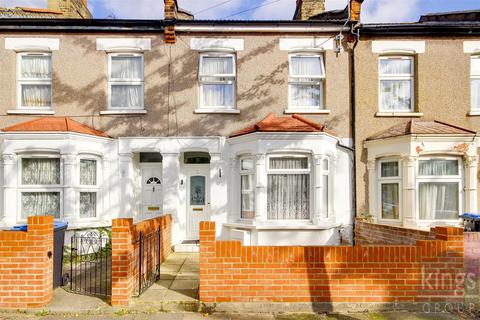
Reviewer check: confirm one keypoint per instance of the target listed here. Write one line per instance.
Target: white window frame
(246, 172)
(231, 79)
(21, 81)
(474, 76)
(326, 172)
(301, 80)
(129, 82)
(89, 188)
(403, 77)
(291, 171)
(448, 178)
(389, 180)
(38, 188)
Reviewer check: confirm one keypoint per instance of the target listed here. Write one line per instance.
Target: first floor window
(217, 80)
(288, 191)
(40, 204)
(475, 82)
(247, 186)
(396, 84)
(439, 185)
(389, 181)
(306, 76)
(34, 80)
(88, 204)
(126, 81)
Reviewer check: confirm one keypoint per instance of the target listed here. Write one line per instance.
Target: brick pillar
(122, 259)
(207, 251)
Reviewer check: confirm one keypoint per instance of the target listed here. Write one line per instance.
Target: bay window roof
(416, 127)
(294, 123)
(54, 124)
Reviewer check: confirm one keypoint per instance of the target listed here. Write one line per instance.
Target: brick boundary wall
(410, 275)
(124, 254)
(26, 265)
(374, 233)
(472, 269)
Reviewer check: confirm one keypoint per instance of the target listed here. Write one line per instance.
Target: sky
(372, 10)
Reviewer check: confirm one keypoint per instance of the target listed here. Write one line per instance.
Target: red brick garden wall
(373, 233)
(26, 265)
(424, 272)
(472, 269)
(125, 270)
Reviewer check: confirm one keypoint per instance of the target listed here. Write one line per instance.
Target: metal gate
(90, 269)
(148, 251)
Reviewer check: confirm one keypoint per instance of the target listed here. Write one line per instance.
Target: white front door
(152, 190)
(198, 198)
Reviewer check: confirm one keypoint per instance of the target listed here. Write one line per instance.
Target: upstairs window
(475, 82)
(396, 84)
(217, 81)
(34, 81)
(125, 81)
(305, 81)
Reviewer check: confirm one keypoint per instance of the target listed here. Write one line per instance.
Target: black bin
(471, 222)
(59, 229)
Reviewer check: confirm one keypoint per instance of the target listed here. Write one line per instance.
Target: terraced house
(246, 123)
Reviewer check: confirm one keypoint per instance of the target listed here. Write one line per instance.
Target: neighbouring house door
(152, 190)
(198, 198)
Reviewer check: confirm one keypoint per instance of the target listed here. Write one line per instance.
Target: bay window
(439, 188)
(34, 81)
(247, 188)
(396, 84)
(305, 81)
(41, 185)
(389, 186)
(325, 187)
(475, 82)
(125, 81)
(217, 81)
(88, 188)
(288, 187)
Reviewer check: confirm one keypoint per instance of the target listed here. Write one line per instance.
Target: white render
(219, 43)
(49, 44)
(471, 46)
(112, 44)
(400, 46)
(312, 43)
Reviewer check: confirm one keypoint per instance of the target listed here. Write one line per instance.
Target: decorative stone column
(10, 178)
(71, 178)
(260, 189)
(471, 165)
(317, 189)
(374, 210)
(126, 198)
(106, 188)
(409, 190)
(171, 194)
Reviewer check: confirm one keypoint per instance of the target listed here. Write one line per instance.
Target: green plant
(366, 216)
(42, 313)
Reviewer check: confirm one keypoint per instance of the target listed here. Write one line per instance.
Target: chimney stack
(76, 9)
(308, 8)
(355, 9)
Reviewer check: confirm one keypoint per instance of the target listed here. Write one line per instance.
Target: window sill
(30, 111)
(219, 111)
(293, 226)
(307, 111)
(122, 112)
(474, 113)
(399, 114)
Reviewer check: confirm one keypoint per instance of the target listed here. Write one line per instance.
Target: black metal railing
(148, 251)
(90, 265)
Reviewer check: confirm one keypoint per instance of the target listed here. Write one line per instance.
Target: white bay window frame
(381, 180)
(475, 83)
(137, 82)
(227, 79)
(22, 81)
(247, 172)
(89, 188)
(306, 80)
(397, 77)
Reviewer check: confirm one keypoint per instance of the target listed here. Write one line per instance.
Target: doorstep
(187, 246)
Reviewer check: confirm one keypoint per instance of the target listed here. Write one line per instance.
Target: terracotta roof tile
(54, 124)
(295, 123)
(421, 128)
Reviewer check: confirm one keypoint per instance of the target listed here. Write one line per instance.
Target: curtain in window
(390, 201)
(438, 200)
(305, 95)
(395, 66)
(35, 67)
(396, 95)
(475, 93)
(288, 196)
(325, 196)
(88, 172)
(126, 68)
(36, 95)
(215, 95)
(389, 169)
(217, 65)
(126, 96)
(40, 171)
(289, 163)
(306, 66)
(438, 167)
(247, 196)
(40, 204)
(88, 204)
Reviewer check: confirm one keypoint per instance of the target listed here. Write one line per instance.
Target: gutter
(256, 28)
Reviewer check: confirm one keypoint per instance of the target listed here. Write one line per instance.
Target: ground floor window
(288, 187)
(389, 183)
(88, 188)
(40, 204)
(247, 187)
